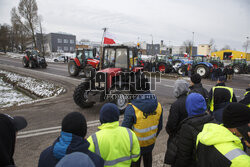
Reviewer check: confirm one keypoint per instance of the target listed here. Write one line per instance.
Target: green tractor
(216, 61)
(163, 64)
(240, 66)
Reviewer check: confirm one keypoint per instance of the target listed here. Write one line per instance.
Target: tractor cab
(123, 57)
(216, 61)
(199, 58)
(239, 65)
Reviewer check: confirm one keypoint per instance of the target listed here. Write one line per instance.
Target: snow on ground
(9, 96)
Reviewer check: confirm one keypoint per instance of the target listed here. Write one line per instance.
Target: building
(204, 49)
(230, 54)
(182, 50)
(153, 49)
(57, 42)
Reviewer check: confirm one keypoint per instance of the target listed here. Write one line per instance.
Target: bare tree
(20, 33)
(42, 36)
(246, 45)
(226, 47)
(4, 37)
(188, 44)
(28, 12)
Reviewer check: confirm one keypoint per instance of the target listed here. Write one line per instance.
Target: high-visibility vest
(117, 145)
(248, 105)
(212, 100)
(231, 149)
(146, 126)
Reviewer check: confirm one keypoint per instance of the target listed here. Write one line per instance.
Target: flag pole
(101, 49)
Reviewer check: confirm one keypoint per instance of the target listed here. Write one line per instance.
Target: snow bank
(38, 87)
(9, 96)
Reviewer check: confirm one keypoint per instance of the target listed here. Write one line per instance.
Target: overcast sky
(226, 21)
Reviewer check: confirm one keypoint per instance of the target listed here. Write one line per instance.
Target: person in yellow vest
(220, 145)
(118, 146)
(144, 116)
(215, 90)
(246, 99)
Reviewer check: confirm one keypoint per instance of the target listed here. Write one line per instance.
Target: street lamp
(246, 45)
(152, 44)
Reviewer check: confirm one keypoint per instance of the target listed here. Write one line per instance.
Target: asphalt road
(44, 117)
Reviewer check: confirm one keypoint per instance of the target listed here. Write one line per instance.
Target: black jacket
(186, 138)
(246, 99)
(177, 113)
(198, 88)
(210, 95)
(7, 141)
(65, 144)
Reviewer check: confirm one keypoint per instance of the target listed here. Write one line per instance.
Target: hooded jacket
(65, 144)
(146, 105)
(186, 138)
(214, 142)
(246, 99)
(7, 142)
(178, 109)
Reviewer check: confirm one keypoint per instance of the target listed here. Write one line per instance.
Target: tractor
(34, 59)
(116, 81)
(178, 60)
(199, 66)
(163, 64)
(216, 61)
(84, 61)
(240, 66)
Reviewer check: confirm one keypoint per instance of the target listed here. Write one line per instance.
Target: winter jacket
(198, 88)
(146, 105)
(223, 97)
(246, 99)
(65, 144)
(218, 147)
(186, 138)
(7, 141)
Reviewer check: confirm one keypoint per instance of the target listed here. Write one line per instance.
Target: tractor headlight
(102, 84)
(96, 84)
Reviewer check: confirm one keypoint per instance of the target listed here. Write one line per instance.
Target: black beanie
(196, 78)
(236, 115)
(109, 113)
(75, 123)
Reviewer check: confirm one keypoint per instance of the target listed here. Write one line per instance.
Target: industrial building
(204, 49)
(231, 54)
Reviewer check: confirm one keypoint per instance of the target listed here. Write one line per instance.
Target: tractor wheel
(80, 95)
(73, 69)
(179, 71)
(120, 98)
(168, 70)
(176, 64)
(162, 67)
(237, 69)
(25, 62)
(31, 64)
(201, 70)
(248, 68)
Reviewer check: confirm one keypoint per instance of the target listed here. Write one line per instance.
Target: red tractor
(84, 61)
(34, 59)
(118, 80)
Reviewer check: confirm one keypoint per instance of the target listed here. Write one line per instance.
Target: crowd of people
(150, 65)
(226, 72)
(205, 128)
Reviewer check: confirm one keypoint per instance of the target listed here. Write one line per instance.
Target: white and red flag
(109, 38)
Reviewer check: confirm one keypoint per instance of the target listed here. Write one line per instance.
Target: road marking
(55, 129)
(44, 131)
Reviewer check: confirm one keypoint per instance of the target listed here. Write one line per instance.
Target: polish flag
(108, 38)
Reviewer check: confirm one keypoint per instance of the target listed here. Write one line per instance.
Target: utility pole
(246, 45)
(191, 52)
(101, 48)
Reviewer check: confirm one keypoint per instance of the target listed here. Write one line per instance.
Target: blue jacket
(218, 111)
(146, 105)
(65, 144)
